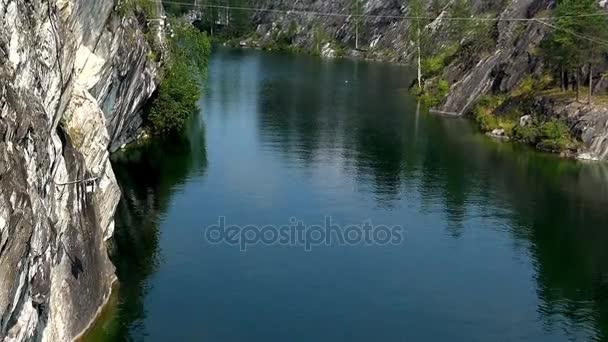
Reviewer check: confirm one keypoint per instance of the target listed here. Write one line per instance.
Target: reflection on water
(502, 243)
(148, 176)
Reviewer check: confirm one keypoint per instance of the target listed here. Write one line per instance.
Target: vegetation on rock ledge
(514, 116)
(180, 88)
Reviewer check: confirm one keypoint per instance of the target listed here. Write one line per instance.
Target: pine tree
(581, 26)
(460, 9)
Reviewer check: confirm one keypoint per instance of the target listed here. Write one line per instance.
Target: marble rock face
(74, 75)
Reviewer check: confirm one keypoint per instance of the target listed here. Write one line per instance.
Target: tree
(180, 90)
(239, 18)
(460, 9)
(177, 7)
(210, 15)
(358, 12)
(417, 14)
(577, 40)
(319, 35)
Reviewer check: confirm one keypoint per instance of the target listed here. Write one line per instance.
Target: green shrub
(483, 113)
(551, 135)
(434, 65)
(443, 87)
(416, 90)
(180, 90)
(554, 130)
(527, 134)
(555, 136)
(531, 86)
(125, 7)
(433, 94)
(176, 99)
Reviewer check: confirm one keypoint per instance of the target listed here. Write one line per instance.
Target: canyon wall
(74, 75)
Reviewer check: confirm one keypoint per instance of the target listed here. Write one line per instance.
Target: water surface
(501, 244)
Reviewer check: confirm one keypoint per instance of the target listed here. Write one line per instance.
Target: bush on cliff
(433, 94)
(434, 65)
(553, 135)
(180, 89)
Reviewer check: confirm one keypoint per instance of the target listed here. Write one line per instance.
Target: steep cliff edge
(74, 75)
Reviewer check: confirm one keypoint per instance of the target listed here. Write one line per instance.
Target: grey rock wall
(74, 75)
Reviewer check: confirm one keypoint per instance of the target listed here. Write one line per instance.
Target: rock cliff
(74, 75)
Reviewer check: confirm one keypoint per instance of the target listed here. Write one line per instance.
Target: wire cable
(371, 16)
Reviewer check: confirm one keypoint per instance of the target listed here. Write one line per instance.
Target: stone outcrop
(74, 75)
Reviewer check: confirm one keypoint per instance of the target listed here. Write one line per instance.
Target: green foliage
(434, 65)
(554, 130)
(552, 135)
(482, 37)
(240, 22)
(483, 113)
(433, 94)
(527, 134)
(357, 7)
(531, 86)
(148, 7)
(192, 44)
(568, 47)
(418, 12)
(177, 7)
(460, 9)
(319, 37)
(180, 89)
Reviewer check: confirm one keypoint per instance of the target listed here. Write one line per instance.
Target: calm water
(501, 243)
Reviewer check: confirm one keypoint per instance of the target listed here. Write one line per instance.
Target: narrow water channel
(500, 243)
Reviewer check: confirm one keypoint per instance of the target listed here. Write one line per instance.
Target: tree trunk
(562, 79)
(590, 83)
(357, 36)
(419, 62)
(578, 83)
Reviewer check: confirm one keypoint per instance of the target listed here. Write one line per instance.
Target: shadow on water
(148, 174)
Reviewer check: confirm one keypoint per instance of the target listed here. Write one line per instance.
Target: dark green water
(501, 243)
